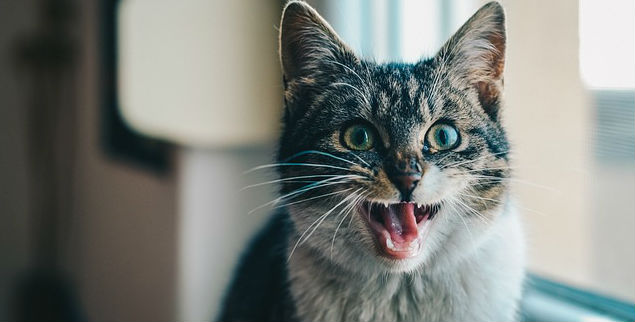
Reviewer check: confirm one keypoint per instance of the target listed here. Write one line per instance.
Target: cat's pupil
(360, 137)
(443, 137)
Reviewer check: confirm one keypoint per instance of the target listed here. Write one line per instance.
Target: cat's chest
(384, 299)
(483, 288)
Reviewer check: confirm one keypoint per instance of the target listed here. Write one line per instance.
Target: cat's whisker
(317, 223)
(292, 179)
(442, 159)
(480, 198)
(361, 200)
(529, 183)
(297, 243)
(325, 154)
(301, 181)
(532, 210)
(502, 203)
(321, 183)
(351, 207)
(316, 185)
(490, 168)
(289, 164)
(311, 198)
(452, 205)
(309, 187)
(360, 159)
(479, 215)
(431, 228)
(463, 207)
(342, 214)
(456, 164)
(328, 213)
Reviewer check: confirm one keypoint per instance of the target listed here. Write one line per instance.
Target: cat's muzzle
(399, 228)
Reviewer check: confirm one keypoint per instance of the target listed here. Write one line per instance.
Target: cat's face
(391, 166)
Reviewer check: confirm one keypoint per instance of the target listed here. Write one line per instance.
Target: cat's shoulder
(259, 289)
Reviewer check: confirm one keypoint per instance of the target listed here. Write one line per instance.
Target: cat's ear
(307, 42)
(476, 54)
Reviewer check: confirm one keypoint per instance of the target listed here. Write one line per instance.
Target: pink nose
(406, 184)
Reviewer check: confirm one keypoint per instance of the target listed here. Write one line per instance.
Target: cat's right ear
(308, 43)
(476, 53)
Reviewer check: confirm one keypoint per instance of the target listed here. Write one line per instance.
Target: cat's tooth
(390, 244)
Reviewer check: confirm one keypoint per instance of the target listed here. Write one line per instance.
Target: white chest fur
(483, 286)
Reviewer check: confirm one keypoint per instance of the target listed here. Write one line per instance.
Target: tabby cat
(395, 202)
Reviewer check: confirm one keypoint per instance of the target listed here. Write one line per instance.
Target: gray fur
(471, 264)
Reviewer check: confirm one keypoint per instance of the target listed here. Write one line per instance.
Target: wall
(548, 116)
(120, 247)
(578, 213)
(215, 222)
(125, 230)
(15, 17)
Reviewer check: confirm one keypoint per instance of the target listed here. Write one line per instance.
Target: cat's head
(392, 166)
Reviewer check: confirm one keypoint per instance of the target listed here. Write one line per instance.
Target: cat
(395, 198)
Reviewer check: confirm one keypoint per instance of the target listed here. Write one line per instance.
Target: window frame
(547, 300)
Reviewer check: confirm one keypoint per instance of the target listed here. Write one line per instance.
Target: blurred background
(126, 126)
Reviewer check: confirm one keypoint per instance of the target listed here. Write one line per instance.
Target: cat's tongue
(400, 222)
(397, 228)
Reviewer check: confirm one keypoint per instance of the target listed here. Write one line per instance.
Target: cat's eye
(442, 137)
(359, 137)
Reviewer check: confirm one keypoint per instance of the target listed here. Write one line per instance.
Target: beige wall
(548, 117)
(580, 226)
(124, 234)
(215, 223)
(121, 238)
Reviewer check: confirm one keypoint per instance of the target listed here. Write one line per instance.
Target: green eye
(443, 137)
(359, 137)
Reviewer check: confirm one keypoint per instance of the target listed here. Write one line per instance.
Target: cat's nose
(406, 184)
(405, 173)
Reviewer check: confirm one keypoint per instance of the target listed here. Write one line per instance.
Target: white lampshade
(200, 73)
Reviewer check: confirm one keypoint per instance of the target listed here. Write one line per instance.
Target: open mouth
(399, 227)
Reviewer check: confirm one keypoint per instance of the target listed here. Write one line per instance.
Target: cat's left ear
(476, 54)
(308, 43)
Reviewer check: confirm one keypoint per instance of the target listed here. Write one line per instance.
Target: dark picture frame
(118, 140)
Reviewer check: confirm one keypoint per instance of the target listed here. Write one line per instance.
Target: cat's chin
(399, 229)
